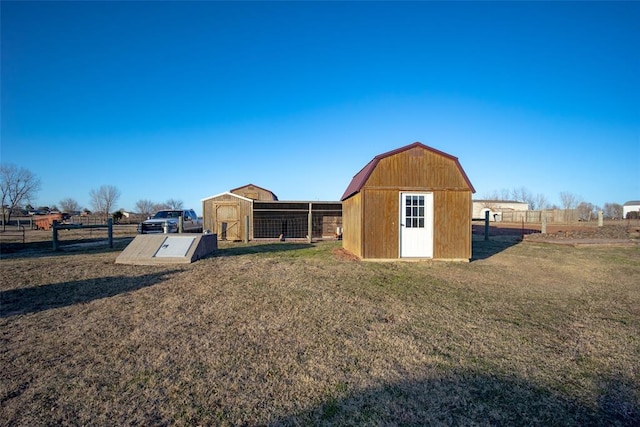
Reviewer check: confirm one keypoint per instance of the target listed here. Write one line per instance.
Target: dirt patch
(579, 232)
(608, 234)
(344, 255)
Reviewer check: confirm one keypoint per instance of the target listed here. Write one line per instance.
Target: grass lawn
(297, 334)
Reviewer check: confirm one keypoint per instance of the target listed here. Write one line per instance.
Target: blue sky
(184, 100)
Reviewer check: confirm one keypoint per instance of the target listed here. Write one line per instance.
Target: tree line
(19, 186)
(568, 200)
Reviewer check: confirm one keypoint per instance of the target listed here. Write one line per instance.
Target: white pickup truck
(169, 219)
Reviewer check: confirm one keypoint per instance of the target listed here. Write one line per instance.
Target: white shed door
(416, 225)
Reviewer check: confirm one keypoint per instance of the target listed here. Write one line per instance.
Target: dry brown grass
(295, 334)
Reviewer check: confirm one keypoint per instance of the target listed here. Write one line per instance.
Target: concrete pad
(152, 249)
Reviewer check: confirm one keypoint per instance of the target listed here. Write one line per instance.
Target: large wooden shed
(412, 202)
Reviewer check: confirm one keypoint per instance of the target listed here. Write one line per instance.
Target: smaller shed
(412, 202)
(224, 213)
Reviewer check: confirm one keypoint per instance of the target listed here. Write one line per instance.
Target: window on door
(414, 215)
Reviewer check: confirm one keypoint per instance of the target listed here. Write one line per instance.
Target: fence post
(110, 232)
(600, 218)
(180, 224)
(309, 224)
(54, 232)
(543, 227)
(246, 228)
(486, 225)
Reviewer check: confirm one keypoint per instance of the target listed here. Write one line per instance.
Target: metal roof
(361, 177)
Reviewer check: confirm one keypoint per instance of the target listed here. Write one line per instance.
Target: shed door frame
(416, 225)
(227, 221)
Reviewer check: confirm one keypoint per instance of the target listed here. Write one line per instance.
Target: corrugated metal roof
(361, 177)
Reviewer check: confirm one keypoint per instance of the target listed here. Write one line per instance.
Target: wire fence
(296, 220)
(557, 216)
(295, 225)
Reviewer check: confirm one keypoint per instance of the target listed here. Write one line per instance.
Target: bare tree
(490, 196)
(104, 198)
(535, 201)
(69, 205)
(613, 210)
(568, 200)
(17, 184)
(585, 210)
(502, 195)
(144, 207)
(523, 195)
(174, 204)
(539, 202)
(159, 207)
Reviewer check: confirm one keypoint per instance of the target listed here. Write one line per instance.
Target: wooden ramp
(151, 249)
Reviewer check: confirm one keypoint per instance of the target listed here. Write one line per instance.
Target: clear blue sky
(185, 100)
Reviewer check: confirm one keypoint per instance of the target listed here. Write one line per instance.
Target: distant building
(631, 206)
(496, 208)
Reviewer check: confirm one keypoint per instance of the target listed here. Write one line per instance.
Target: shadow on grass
(499, 240)
(45, 297)
(249, 249)
(483, 249)
(468, 398)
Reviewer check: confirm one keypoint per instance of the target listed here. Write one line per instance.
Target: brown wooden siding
(352, 223)
(417, 169)
(253, 192)
(225, 216)
(452, 224)
(381, 226)
(371, 217)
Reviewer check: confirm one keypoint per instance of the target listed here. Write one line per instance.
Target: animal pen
(235, 217)
(297, 220)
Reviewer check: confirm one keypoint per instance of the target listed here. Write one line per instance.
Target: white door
(416, 225)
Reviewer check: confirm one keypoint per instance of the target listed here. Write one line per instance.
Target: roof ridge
(360, 178)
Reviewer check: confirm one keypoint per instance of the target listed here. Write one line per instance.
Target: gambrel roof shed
(253, 192)
(361, 177)
(411, 202)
